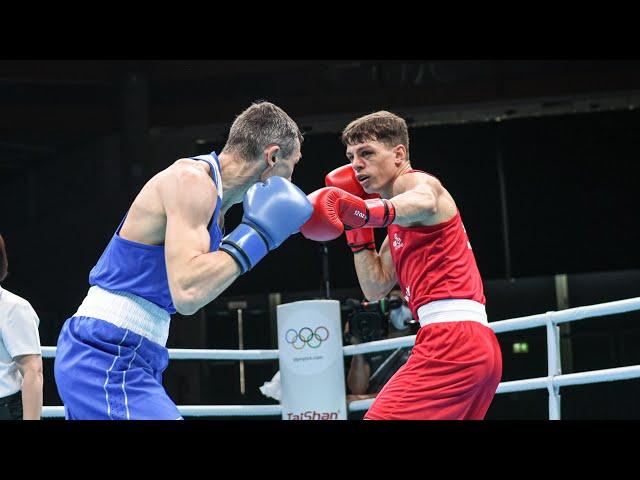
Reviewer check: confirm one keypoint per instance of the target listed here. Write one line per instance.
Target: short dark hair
(4, 264)
(384, 127)
(260, 125)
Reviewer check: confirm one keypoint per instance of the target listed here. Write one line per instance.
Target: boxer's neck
(388, 192)
(237, 176)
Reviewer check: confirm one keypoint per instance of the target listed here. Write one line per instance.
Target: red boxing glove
(334, 210)
(345, 178)
(324, 223)
(360, 239)
(357, 213)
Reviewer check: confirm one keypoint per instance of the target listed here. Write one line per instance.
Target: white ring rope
(201, 354)
(568, 315)
(541, 383)
(379, 345)
(520, 323)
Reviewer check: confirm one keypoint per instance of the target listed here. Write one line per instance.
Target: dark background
(541, 157)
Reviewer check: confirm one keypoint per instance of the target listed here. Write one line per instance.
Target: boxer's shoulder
(409, 182)
(188, 170)
(186, 176)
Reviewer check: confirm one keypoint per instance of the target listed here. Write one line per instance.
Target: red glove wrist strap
(380, 212)
(360, 239)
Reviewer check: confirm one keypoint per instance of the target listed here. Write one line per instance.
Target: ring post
(311, 361)
(554, 367)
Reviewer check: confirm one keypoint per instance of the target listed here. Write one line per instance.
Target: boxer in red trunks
(456, 364)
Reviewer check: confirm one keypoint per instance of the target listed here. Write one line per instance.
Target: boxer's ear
(271, 155)
(399, 154)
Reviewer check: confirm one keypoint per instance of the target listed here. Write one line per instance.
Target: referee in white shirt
(20, 354)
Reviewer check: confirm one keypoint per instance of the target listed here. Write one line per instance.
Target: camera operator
(370, 321)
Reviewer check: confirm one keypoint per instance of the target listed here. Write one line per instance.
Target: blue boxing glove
(273, 210)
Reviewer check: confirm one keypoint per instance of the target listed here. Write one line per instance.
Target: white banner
(311, 361)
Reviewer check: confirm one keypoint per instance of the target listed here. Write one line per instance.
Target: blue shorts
(104, 372)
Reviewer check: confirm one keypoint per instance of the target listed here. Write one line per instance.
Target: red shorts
(452, 374)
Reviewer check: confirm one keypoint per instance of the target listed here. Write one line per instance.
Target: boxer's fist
(273, 210)
(360, 239)
(345, 178)
(335, 210)
(324, 224)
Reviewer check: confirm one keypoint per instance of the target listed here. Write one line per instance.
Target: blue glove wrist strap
(246, 245)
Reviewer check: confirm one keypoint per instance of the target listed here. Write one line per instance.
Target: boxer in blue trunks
(168, 254)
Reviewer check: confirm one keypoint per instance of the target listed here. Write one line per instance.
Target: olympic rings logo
(306, 336)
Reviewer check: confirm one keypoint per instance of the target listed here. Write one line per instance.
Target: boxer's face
(375, 164)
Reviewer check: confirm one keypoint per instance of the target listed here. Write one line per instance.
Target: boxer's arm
(375, 270)
(418, 205)
(196, 276)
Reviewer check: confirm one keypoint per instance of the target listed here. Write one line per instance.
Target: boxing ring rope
(553, 382)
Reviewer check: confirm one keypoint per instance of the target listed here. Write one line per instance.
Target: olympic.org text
(302, 359)
(313, 415)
